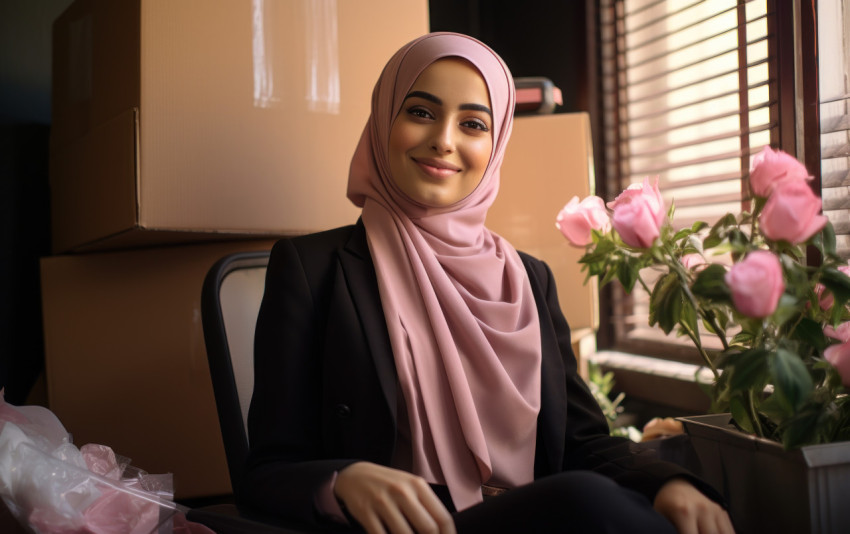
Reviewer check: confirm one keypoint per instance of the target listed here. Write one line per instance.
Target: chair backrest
(230, 302)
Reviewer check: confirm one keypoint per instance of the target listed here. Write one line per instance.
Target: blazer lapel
(360, 277)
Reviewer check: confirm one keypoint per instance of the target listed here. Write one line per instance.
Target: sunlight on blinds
(696, 103)
(834, 87)
(688, 83)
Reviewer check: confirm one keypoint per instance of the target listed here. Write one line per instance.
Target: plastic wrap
(52, 487)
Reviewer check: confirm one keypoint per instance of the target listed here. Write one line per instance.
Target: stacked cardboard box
(549, 160)
(177, 126)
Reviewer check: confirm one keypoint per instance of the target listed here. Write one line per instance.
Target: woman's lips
(436, 168)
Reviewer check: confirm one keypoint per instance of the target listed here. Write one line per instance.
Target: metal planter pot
(768, 488)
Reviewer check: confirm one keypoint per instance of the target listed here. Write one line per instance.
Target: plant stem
(695, 338)
(751, 407)
(676, 266)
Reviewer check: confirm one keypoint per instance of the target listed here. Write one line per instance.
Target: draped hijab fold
(458, 305)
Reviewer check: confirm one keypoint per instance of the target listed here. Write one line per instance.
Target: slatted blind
(834, 89)
(687, 96)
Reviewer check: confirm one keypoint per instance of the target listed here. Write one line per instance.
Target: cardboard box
(125, 359)
(176, 121)
(549, 160)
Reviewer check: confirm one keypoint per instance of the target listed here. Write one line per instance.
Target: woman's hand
(690, 511)
(384, 500)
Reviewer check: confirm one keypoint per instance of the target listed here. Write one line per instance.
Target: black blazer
(326, 395)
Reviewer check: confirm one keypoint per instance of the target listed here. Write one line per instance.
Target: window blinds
(834, 89)
(688, 97)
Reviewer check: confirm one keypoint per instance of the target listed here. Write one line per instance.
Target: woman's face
(441, 140)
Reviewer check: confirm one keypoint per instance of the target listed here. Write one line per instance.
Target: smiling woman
(441, 141)
(414, 372)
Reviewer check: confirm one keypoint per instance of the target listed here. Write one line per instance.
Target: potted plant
(783, 323)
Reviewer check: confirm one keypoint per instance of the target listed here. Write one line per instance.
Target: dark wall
(25, 52)
(534, 37)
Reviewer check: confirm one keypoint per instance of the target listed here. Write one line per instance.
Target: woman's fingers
(444, 520)
(425, 511)
(690, 511)
(383, 499)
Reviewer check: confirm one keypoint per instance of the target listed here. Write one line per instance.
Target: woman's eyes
(474, 123)
(420, 112)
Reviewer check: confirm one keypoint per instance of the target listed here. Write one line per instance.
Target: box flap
(93, 183)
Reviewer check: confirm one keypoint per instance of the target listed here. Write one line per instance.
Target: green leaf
(748, 369)
(695, 243)
(710, 283)
(600, 252)
(689, 315)
(699, 226)
(739, 412)
(719, 231)
(628, 272)
(738, 239)
(811, 332)
(837, 283)
(787, 310)
(825, 240)
(802, 429)
(665, 303)
(684, 232)
(775, 410)
(743, 338)
(790, 378)
(609, 275)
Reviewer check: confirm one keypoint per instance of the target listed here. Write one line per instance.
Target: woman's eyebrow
(435, 99)
(477, 107)
(426, 96)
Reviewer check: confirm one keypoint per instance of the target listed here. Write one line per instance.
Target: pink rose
(839, 356)
(842, 333)
(638, 214)
(577, 219)
(756, 284)
(773, 167)
(792, 213)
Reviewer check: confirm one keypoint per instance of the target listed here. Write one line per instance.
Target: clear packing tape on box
(53, 487)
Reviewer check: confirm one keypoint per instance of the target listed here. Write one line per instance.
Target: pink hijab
(461, 316)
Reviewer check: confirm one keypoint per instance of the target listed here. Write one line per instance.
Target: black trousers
(573, 501)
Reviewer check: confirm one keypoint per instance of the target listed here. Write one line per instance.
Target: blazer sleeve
(286, 466)
(588, 443)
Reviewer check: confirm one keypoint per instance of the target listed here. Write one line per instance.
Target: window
(691, 91)
(834, 98)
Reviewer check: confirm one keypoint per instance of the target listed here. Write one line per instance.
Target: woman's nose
(443, 138)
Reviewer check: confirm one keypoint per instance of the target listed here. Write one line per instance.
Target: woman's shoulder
(325, 241)
(313, 258)
(532, 263)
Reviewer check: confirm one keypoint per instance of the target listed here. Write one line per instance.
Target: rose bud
(639, 214)
(756, 284)
(792, 213)
(773, 167)
(577, 219)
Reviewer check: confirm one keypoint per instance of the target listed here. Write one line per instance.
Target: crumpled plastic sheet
(52, 487)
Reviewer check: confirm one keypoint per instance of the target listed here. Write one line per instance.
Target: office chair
(230, 302)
